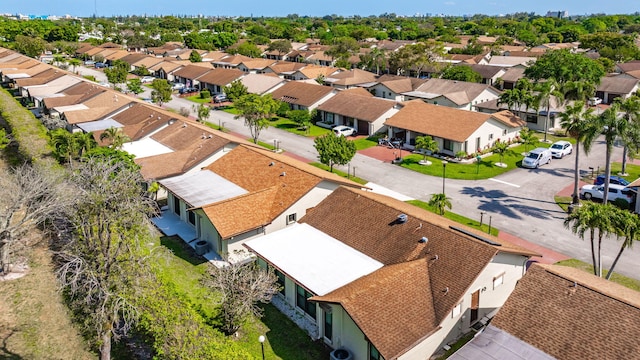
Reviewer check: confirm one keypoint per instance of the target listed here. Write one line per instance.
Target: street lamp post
(444, 173)
(481, 216)
(261, 339)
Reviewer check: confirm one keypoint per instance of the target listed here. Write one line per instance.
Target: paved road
(520, 202)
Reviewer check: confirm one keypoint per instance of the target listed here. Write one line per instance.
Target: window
(498, 280)
(447, 145)
(374, 354)
(301, 301)
(490, 136)
(456, 310)
(532, 119)
(291, 218)
(504, 132)
(192, 217)
(328, 325)
(176, 205)
(280, 280)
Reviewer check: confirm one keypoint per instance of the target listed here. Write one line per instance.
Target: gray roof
(496, 344)
(99, 125)
(202, 188)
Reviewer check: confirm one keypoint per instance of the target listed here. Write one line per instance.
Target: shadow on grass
(287, 340)
(181, 250)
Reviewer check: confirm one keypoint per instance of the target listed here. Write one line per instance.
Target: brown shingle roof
(351, 77)
(441, 121)
(133, 58)
(403, 85)
(508, 118)
(300, 93)
(349, 103)
(571, 314)
(286, 67)
(141, 119)
(41, 78)
(617, 84)
(192, 71)
(220, 76)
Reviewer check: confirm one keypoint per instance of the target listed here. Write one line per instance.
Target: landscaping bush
(621, 203)
(205, 94)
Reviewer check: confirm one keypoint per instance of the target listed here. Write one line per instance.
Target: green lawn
(295, 128)
(470, 171)
(341, 173)
(362, 144)
(551, 138)
(197, 99)
(563, 202)
(617, 278)
(456, 217)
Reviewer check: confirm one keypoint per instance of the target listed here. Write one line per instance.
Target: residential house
(190, 74)
(320, 58)
(612, 87)
(98, 107)
(349, 79)
(284, 69)
(55, 104)
(558, 312)
(510, 78)
(255, 66)
(39, 79)
(262, 84)
(451, 93)
(385, 279)
(133, 58)
(510, 61)
(166, 69)
(359, 109)
(246, 193)
(313, 72)
(489, 74)
(217, 79)
(37, 93)
(536, 120)
(393, 87)
(633, 65)
(303, 96)
(146, 63)
(230, 61)
(454, 130)
(12, 72)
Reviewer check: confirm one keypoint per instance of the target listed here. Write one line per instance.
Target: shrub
(621, 203)
(205, 94)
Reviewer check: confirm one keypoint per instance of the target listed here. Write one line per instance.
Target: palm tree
(501, 148)
(85, 142)
(74, 63)
(627, 225)
(631, 109)
(440, 202)
(426, 143)
(574, 120)
(612, 125)
(528, 137)
(115, 136)
(591, 217)
(546, 91)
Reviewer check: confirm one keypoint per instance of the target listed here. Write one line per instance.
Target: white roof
(18, 76)
(99, 125)
(312, 258)
(494, 344)
(73, 107)
(145, 147)
(202, 188)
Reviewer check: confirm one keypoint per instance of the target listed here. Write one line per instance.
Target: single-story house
(612, 87)
(359, 109)
(558, 312)
(454, 130)
(349, 79)
(535, 120)
(302, 95)
(383, 279)
(451, 93)
(393, 87)
(284, 69)
(255, 66)
(262, 84)
(217, 79)
(190, 74)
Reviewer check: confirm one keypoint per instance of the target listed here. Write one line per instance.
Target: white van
(537, 157)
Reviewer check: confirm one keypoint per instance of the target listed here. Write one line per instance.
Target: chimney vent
(402, 218)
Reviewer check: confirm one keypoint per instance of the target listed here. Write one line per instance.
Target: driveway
(519, 202)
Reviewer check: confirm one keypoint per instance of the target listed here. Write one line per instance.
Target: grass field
(616, 278)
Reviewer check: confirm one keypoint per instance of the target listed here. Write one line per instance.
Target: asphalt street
(520, 202)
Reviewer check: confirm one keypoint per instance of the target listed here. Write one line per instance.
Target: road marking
(504, 182)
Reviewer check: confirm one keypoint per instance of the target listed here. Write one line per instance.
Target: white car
(615, 192)
(147, 79)
(594, 101)
(342, 130)
(178, 86)
(560, 149)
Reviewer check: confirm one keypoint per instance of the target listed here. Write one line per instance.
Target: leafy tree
(334, 150)
(117, 74)
(564, 66)
(29, 197)
(630, 107)
(281, 47)
(301, 117)
(69, 146)
(235, 90)
(115, 137)
(342, 48)
(240, 287)
(29, 46)
(627, 227)
(256, 111)
(135, 86)
(203, 112)
(74, 63)
(439, 202)
(426, 143)
(374, 59)
(416, 57)
(161, 92)
(195, 56)
(102, 266)
(615, 46)
(591, 217)
(141, 71)
(247, 48)
(461, 73)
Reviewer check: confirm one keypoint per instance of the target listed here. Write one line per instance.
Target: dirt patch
(34, 322)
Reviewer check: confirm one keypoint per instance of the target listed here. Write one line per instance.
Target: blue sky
(313, 8)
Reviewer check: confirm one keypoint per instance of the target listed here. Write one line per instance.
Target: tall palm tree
(577, 121)
(116, 137)
(545, 92)
(591, 217)
(74, 63)
(440, 202)
(631, 139)
(612, 126)
(627, 226)
(85, 142)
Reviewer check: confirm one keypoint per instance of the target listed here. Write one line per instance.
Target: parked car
(594, 101)
(147, 79)
(537, 157)
(342, 130)
(100, 65)
(617, 180)
(89, 63)
(178, 86)
(589, 192)
(220, 98)
(187, 90)
(560, 149)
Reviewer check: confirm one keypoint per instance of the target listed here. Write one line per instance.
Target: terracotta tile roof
(441, 121)
(571, 314)
(354, 104)
(192, 71)
(372, 229)
(191, 145)
(221, 77)
(300, 93)
(617, 84)
(270, 192)
(401, 293)
(351, 77)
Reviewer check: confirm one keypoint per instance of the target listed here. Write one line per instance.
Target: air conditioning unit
(341, 354)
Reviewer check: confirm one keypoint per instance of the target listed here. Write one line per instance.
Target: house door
(363, 127)
(475, 305)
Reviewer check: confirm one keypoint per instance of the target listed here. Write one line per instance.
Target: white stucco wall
(384, 92)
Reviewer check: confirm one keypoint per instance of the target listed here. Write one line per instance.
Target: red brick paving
(383, 153)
